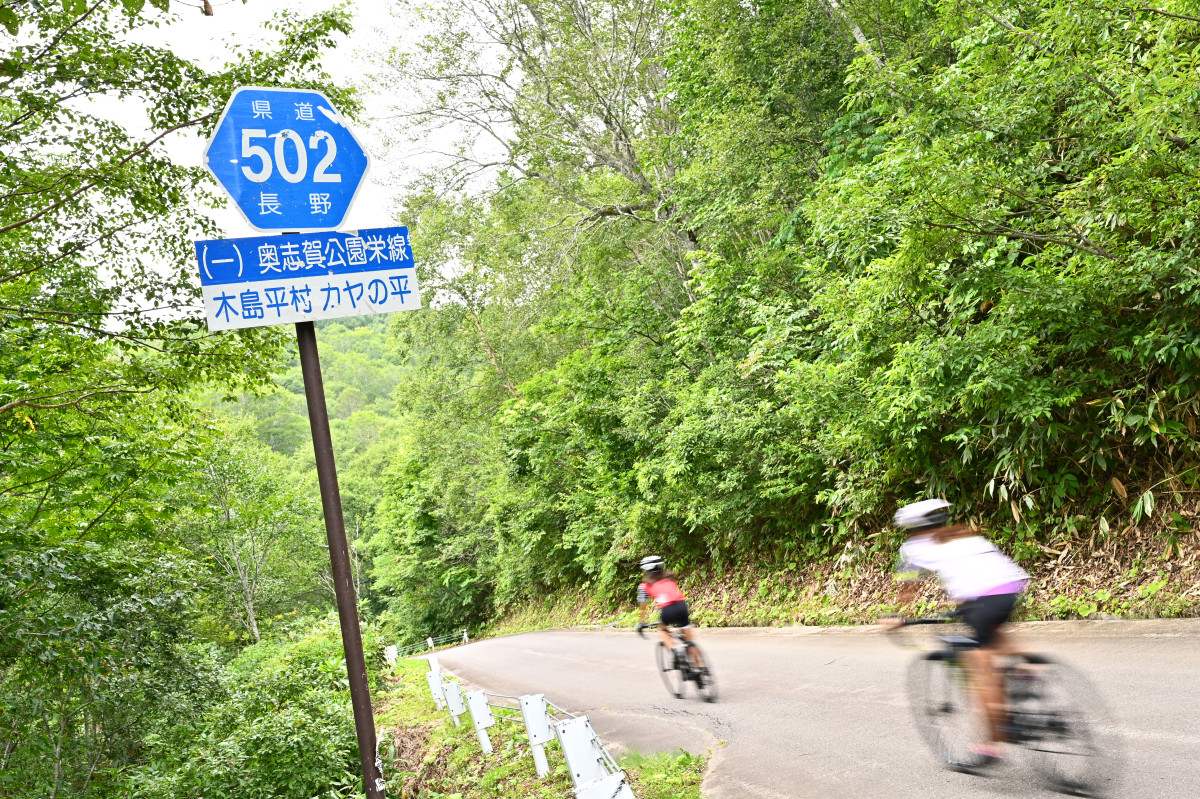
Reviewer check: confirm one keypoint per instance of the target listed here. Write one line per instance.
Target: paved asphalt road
(809, 713)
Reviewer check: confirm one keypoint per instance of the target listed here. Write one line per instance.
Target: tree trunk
(855, 31)
(251, 617)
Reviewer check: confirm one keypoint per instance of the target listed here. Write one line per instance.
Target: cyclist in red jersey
(663, 587)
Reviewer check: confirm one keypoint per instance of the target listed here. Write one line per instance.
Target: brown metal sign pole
(339, 557)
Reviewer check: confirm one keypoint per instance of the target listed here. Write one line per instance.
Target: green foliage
(103, 602)
(283, 727)
(360, 369)
(95, 645)
(899, 250)
(999, 321)
(665, 776)
(256, 525)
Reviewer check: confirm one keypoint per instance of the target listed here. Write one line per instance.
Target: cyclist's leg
(1007, 644)
(676, 615)
(689, 635)
(986, 615)
(664, 634)
(987, 685)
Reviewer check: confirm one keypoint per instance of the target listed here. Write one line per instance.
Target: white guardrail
(392, 653)
(594, 772)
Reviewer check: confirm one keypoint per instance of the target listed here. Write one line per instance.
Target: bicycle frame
(677, 634)
(954, 646)
(684, 664)
(1050, 714)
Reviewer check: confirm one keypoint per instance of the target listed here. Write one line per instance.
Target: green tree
(896, 250)
(280, 725)
(101, 347)
(258, 524)
(95, 651)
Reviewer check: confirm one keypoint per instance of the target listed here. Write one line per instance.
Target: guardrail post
(390, 653)
(591, 767)
(575, 736)
(430, 641)
(434, 678)
(454, 701)
(481, 717)
(465, 641)
(537, 726)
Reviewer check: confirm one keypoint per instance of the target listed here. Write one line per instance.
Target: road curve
(810, 713)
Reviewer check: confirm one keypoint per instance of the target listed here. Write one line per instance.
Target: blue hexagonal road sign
(287, 158)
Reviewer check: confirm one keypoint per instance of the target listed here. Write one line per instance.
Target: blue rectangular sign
(271, 280)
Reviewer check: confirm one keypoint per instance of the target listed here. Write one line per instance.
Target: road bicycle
(677, 666)
(1053, 714)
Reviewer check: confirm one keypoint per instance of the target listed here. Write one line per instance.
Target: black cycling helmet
(652, 563)
(923, 515)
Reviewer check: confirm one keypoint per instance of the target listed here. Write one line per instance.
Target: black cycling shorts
(675, 615)
(986, 614)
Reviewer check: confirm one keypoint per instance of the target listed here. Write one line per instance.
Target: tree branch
(33, 402)
(135, 153)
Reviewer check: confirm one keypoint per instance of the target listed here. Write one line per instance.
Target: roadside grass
(559, 611)
(665, 776)
(428, 757)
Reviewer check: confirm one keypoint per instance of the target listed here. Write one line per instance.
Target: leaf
(1150, 589)
(1016, 509)
(10, 20)
(1119, 487)
(1144, 506)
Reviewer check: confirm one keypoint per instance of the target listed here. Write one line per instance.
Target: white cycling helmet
(652, 563)
(922, 515)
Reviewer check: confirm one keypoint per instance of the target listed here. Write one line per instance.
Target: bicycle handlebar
(941, 618)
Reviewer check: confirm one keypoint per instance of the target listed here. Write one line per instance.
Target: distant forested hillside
(360, 369)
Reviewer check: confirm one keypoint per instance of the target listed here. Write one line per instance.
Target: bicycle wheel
(706, 683)
(940, 694)
(672, 676)
(1064, 726)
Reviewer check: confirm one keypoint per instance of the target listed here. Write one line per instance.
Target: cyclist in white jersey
(982, 581)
